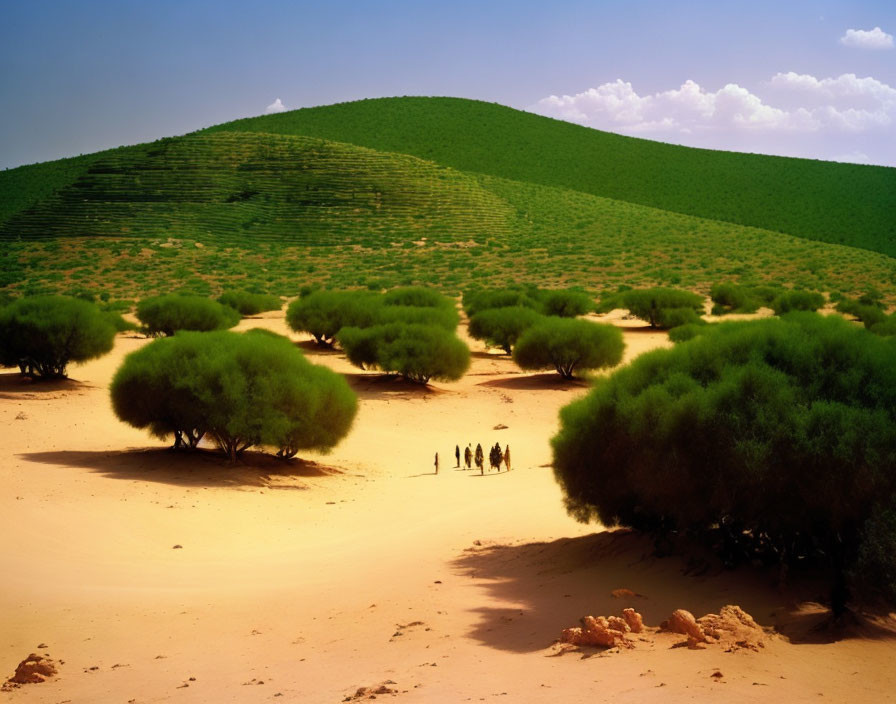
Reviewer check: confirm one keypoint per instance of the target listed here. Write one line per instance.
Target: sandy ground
(303, 582)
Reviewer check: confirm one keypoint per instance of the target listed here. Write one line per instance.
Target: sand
(155, 577)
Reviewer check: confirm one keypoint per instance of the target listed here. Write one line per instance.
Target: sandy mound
(372, 691)
(33, 670)
(605, 631)
(732, 629)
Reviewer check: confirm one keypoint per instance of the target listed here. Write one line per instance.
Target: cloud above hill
(867, 39)
(789, 106)
(276, 106)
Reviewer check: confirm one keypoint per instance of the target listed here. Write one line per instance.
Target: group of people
(496, 456)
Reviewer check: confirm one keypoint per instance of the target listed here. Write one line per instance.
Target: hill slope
(843, 203)
(246, 188)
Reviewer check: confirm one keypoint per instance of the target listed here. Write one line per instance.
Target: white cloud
(867, 39)
(276, 106)
(791, 114)
(845, 103)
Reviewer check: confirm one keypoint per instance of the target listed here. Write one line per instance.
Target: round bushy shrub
(869, 314)
(565, 303)
(247, 303)
(779, 433)
(239, 389)
(165, 315)
(418, 297)
(886, 327)
(43, 334)
(502, 327)
(568, 345)
(419, 353)
(479, 300)
(797, 299)
(650, 304)
(734, 298)
(323, 314)
(446, 318)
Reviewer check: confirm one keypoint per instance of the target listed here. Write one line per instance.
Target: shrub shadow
(533, 382)
(375, 385)
(199, 468)
(15, 385)
(311, 347)
(554, 584)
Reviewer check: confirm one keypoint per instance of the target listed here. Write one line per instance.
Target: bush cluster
(563, 303)
(660, 307)
(776, 436)
(740, 298)
(240, 390)
(165, 315)
(248, 303)
(797, 300)
(43, 334)
(568, 346)
(407, 331)
(419, 353)
(502, 327)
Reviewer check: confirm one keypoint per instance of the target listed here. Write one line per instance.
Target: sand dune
(156, 577)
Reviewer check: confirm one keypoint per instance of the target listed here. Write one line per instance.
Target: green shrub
(418, 297)
(649, 304)
(869, 314)
(442, 317)
(885, 328)
(479, 300)
(323, 314)
(568, 345)
(734, 298)
(165, 315)
(501, 327)
(246, 303)
(777, 434)
(239, 389)
(797, 300)
(671, 318)
(688, 331)
(565, 303)
(42, 335)
(419, 353)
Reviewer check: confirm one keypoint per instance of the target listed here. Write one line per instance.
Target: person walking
(437, 463)
(468, 456)
(507, 457)
(495, 456)
(480, 458)
(457, 455)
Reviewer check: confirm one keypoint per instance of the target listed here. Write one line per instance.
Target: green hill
(842, 203)
(245, 188)
(277, 210)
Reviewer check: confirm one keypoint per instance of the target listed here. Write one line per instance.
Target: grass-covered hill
(832, 202)
(241, 187)
(277, 210)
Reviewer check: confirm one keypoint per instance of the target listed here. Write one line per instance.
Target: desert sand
(151, 576)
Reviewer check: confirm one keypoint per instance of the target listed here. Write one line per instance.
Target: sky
(792, 77)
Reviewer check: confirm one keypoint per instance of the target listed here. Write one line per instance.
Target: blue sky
(772, 77)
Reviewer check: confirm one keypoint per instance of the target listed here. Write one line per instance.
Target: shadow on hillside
(199, 468)
(374, 385)
(14, 385)
(534, 382)
(554, 584)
